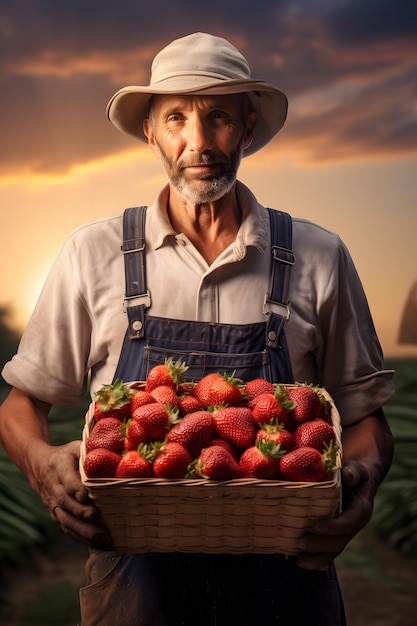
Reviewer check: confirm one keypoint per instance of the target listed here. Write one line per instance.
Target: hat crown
(199, 55)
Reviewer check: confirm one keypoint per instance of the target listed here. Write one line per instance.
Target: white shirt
(79, 321)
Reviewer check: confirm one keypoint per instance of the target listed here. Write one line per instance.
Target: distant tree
(9, 336)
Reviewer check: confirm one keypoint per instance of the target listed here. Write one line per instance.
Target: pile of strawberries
(219, 428)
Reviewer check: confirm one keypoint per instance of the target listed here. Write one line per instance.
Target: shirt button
(180, 242)
(207, 280)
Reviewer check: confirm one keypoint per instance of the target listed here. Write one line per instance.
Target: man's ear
(250, 127)
(149, 133)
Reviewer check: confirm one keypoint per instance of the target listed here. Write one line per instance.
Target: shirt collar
(253, 231)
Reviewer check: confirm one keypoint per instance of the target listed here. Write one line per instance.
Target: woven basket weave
(199, 515)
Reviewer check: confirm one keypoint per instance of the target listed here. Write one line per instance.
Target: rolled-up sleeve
(332, 337)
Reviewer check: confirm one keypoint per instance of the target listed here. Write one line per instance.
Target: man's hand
(52, 470)
(330, 537)
(367, 451)
(58, 483)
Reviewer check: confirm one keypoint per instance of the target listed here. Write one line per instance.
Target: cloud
(348, 68)
(357, 22)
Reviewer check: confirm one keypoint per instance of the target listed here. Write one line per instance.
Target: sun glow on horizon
(355, 200)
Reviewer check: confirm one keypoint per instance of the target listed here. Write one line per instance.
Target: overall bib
(206, 589)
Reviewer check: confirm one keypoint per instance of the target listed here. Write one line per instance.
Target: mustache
(206, 158)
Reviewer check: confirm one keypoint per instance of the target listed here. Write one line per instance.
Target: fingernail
(91, 516)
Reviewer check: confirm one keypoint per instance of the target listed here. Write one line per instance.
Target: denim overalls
(205, 589)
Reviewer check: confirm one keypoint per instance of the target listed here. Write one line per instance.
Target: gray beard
(211, 191)
(203, 190)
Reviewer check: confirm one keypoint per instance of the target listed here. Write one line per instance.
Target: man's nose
(200, 135)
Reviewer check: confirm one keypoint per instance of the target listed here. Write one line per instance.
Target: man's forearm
(24, 429)
(370, 442)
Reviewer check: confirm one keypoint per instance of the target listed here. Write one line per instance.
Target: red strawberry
(112, 401)
(188, 403)
(215, 463)
(316, 433)
(261, 460)
(171, 460)
(278, 434)
(165, 395)
(107, 433)
(218, 390)
(168, 373)
(135, 435)
(268, 407)
(101, 463)
(193, 431)
(139, 398)
(133, 465)
(156, 419)
(308, 464)
(325, 412)
(216, 441)
(307, 403)
(235, 425)
(255, 387)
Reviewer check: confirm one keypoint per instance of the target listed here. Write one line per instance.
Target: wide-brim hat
(200, 64)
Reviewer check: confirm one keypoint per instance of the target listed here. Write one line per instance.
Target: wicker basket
(200, 515)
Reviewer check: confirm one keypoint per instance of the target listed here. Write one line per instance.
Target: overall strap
(137, 296)
(277, 307)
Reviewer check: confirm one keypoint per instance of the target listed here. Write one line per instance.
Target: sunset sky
(346, 158)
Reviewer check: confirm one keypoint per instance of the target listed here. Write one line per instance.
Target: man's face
(201, 142)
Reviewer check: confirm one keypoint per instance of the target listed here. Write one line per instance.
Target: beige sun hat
(200, 64)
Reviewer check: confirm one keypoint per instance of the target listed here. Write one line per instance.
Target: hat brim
(129, 106)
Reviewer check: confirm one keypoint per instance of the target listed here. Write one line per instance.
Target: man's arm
(52, 470)
(367, 456)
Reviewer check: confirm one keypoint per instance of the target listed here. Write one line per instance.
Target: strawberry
(325, 412)
(135, 434)
(218, 390)
(268, 407)
(278, 434)
(255, 387)
(156, 419)
(307, 403)
(193, 431)
(171, 460)
(139, 398)
(188, 403)
(168, 373)
(261, 460)
(307, 464)
(165, 395)
(216, 441)
(101, 463)
(185, 388)
(235, 425)
(133, 465)
(107, 433)
(215, 463)
(316, 433)
(112, 401)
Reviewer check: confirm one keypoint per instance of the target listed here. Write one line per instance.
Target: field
(378, 570)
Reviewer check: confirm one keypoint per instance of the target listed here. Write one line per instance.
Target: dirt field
(379, 586)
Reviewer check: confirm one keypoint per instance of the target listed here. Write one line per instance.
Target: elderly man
(207, 288)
